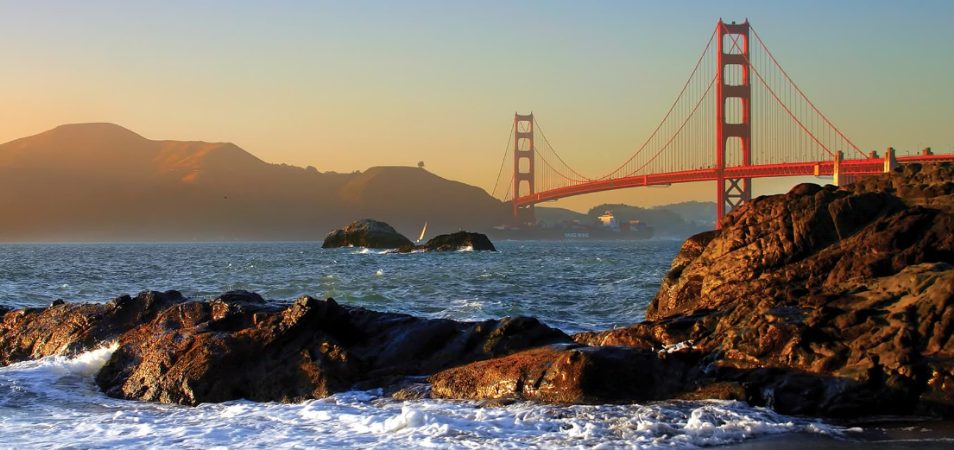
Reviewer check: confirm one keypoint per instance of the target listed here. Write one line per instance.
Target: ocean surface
(574, 286)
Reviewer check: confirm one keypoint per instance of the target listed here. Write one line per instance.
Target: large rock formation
(366, 233)
(824, 301)
(239, 346)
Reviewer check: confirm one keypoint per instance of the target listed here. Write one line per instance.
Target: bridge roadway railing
(848, 167)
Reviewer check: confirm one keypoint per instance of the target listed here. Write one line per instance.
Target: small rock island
(366, 233)
(370, 233)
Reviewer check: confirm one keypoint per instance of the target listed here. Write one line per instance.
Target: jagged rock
(68, 329)
(815, 239)
(366, 233)
(222, 350)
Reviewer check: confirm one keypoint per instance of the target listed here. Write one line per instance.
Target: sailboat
(423, 230)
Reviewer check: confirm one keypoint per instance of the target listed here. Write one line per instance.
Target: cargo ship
(605, 227)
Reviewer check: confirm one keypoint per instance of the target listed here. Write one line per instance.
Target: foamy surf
(362, 419)
(54, 378)
(85, 364)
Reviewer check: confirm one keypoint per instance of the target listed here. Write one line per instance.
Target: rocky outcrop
(67, 329)
(461, 240)
(813, 238)
(238, 346)
(366, 233)
(373, 234)
(823, 301)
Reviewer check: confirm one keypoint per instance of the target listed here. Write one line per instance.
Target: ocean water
(54, 402)
(573, 286)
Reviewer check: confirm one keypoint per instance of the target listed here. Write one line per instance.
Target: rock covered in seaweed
(367, 233)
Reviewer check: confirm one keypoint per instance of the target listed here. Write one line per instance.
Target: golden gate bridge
(739, 116)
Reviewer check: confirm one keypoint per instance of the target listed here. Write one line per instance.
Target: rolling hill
(100, 181)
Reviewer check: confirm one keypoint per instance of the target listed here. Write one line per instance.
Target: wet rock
(366, 233)
(68, 329)
(569, 374)
(215, 351)
(461, 240)
(409, 390)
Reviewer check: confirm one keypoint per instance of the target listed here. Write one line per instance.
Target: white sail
(423, 230)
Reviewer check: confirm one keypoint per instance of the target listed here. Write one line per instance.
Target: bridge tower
(732, 85)
(523, 151)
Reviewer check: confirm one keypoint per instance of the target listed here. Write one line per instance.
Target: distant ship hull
(595, 233)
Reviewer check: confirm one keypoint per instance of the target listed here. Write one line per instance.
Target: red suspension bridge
(739, 116)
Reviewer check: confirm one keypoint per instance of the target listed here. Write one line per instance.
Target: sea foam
(356, 419)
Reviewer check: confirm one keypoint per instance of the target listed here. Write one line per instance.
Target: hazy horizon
(345, 86)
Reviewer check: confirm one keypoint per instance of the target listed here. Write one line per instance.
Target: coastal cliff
(823, 301)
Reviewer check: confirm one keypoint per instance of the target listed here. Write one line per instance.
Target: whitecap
(51, 368)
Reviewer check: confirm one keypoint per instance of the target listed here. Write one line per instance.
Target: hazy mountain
(694, 212)
(104, 182)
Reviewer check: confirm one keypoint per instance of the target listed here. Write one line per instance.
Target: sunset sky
(350, 84)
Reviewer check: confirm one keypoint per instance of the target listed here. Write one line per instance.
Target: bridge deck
(848, 167)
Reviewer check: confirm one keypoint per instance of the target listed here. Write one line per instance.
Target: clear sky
(345, 85)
